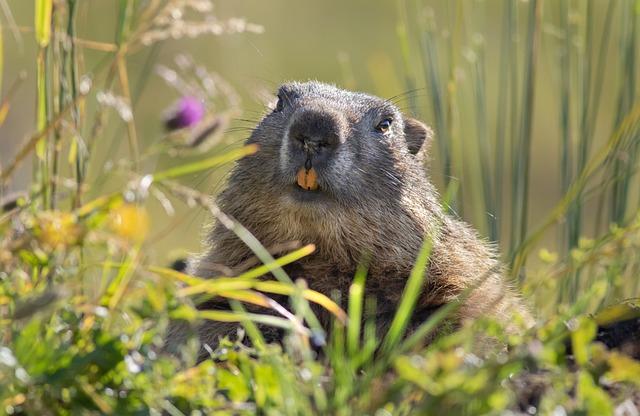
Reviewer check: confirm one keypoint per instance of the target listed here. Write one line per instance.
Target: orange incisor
(308, 179)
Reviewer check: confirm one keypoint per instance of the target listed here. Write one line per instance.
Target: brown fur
(381, 206)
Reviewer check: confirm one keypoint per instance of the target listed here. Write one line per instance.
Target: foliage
(84, 312)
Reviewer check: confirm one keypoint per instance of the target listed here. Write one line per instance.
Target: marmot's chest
(385, 286)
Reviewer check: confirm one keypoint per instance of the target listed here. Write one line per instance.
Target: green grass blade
(501, 122)
(524, 156)
(205, 164)
(486, 211)
(279, 288)
(356, 296)
(410, 295)
(514, 116)
(279, 262)
(42, 23)
(124, 21)
(250, 326)
(229, 316)
(435, 83)
(402, 32)
(619, 203)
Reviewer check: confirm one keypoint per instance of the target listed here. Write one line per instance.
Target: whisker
(403, 95)
(246, 120)
(238, 129)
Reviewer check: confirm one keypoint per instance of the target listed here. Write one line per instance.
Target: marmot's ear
(418, 136)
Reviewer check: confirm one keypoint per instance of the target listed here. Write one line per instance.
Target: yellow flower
(548, 256)
(57, 230)
(130, 222)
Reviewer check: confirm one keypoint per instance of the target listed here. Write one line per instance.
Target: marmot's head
(322, 146)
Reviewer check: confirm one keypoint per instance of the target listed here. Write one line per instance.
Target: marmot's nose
(315, 130)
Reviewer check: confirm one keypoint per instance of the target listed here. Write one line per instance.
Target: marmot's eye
(384, 125)
(279, 105)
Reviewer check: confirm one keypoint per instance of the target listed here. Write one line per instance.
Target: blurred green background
(355, 44)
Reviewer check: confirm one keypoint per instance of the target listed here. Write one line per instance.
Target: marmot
(345, 171)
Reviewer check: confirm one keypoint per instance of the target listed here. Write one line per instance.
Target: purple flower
(187, 112)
